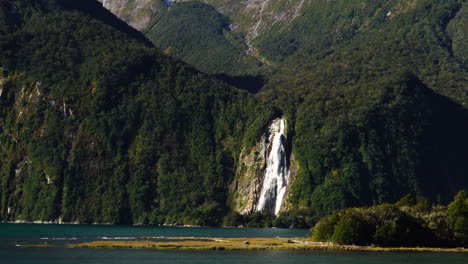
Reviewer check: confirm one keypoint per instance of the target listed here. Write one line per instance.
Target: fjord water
(12, 235)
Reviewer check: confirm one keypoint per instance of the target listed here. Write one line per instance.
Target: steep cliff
(246, 187)
(257, 17)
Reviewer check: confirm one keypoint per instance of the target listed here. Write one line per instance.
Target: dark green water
(12, 235)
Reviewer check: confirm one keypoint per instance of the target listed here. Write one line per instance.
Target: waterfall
(276, 177)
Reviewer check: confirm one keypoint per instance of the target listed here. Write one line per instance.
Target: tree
(457, 212)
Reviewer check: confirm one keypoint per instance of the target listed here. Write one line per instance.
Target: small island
(190, 243)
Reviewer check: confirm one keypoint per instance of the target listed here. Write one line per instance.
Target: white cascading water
(276, 178)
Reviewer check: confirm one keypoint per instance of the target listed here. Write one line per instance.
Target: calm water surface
(12, 235)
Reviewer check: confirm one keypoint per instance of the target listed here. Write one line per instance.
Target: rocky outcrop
(256, 17)
(251, 17)
(245, 189)
(137, 13)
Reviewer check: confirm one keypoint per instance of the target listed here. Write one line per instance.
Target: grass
(190, 243)
(37, 246)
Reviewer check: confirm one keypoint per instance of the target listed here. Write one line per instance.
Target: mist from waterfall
(277, 173)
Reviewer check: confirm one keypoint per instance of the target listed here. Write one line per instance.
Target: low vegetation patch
(246, 244)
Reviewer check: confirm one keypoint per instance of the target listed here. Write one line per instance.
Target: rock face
(251, 17)
(137, 13)
(246, 188)
(256, 17)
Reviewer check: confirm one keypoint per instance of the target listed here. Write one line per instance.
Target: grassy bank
(189, 243)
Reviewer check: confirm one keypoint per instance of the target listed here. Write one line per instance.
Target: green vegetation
(409, 222)
(294, 218)
(198, 34)
(422, 38)
(321, 26)
(97, 125)
(376, 142)
(372, 122)
(457, 213)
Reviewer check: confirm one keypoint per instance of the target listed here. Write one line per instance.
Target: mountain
(137, 13)
(304, 40)
(192, 31)
(198, 34)
(99, 127)
(306, 106)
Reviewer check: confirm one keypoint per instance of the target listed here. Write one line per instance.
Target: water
(277, 172)
(18, 234)
(11, 234)
(128, 256)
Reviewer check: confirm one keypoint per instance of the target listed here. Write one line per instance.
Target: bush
(324, 229)
(457, 213)
(296, 218)
(352, 229)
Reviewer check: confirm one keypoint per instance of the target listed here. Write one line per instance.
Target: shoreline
(143, 225)
(212, 243)
(40, 222)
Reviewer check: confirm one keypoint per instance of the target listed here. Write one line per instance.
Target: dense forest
(99, 125)
(409, 222)
(198, 34)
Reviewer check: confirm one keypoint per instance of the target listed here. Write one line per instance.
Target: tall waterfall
(277, 171)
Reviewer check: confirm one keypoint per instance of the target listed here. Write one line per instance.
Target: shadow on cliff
(95, 9)
(252, 84)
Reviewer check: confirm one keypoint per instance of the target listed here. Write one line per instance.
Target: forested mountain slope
(341, 42)
(97, 125)
(425, 40)
(198, 34)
